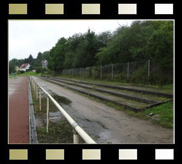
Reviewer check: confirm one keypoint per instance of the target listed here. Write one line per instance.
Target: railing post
(36, 91)
(33, 82)
(76, 137)
(40, 96)
(47, 114)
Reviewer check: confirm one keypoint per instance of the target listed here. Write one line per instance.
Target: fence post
(101, 71)
(112, 71)
(76, 137)
(148, 67)
(128, 70)
(47, 114)
(40, 98)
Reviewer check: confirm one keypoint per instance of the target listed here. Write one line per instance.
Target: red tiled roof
(24, 65)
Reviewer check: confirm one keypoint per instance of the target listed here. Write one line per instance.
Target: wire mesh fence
(140, 71)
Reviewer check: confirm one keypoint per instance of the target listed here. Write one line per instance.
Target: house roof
(24, 65)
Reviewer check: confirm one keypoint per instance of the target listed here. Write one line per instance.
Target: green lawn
(30, 73)
(161, 115)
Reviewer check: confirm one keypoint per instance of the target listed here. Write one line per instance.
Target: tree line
(142, 40)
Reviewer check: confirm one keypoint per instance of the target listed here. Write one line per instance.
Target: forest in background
(141, 41)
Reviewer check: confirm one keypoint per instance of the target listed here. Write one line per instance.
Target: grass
(164, 114)
(59, 132)
(30, 73)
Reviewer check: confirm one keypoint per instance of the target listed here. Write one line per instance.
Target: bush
(21, 72)
(38, 70)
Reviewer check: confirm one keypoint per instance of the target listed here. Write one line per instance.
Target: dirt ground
(106, 124)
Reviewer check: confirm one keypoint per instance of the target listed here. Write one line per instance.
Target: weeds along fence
(137, 72)
(77, 130)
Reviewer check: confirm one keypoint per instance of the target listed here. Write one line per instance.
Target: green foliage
(21, 72)
(11, 67)
(30, 73)
(38, 69)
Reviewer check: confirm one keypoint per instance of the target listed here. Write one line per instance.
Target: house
(44, 63)
(24, 67)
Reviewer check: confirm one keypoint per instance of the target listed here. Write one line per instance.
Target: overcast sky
(33, 36)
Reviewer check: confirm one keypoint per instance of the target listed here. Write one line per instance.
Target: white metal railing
(77, 130)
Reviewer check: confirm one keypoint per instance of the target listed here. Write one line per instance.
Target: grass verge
(30, 73)
(59, 132)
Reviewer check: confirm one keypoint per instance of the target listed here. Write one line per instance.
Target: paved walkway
(18, 110)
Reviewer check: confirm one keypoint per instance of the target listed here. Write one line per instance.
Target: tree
(160, 46)
(30, 59)
(11, 67)
(57, 55)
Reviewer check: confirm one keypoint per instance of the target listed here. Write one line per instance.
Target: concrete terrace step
(134, 104)
(144, 90)
(115, 93)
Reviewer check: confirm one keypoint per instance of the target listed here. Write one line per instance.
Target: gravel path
(18, 110)
(106, 124)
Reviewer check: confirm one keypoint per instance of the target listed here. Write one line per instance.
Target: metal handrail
(72, 122)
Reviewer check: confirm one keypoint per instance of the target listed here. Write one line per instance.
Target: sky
(27, 37)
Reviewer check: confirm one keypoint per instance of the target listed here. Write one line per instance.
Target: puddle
(54, 114)
(39, 121)
(104, 136)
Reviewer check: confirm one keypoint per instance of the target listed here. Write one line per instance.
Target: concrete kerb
(33, 134)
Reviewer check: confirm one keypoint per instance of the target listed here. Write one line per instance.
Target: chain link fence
(137, 72)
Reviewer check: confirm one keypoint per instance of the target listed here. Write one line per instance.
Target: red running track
(18, 110)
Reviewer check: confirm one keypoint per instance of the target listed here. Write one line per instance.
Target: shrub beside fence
(136, 72)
